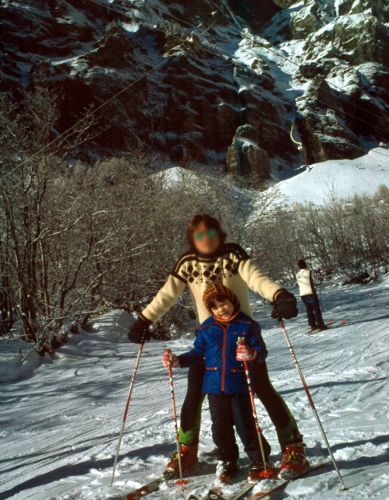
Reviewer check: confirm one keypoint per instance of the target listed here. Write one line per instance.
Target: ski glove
(245, 353)
(139, 331)
(169, 358)
(284, 305)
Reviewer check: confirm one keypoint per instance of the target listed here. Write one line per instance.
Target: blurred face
(222, 308)
(205, 240)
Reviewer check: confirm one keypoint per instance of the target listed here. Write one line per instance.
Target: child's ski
(217, 494)
(148, 488)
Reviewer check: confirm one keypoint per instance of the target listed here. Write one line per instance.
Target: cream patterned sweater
(230, 266)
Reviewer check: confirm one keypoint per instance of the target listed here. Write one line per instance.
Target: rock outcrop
(246, 158)
(226, 80)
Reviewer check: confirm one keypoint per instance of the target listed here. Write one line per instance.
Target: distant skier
(224, 381)
(306, 282)
(211, 260)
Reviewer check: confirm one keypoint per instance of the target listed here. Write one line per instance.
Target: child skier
(306, 282)
(225, 382)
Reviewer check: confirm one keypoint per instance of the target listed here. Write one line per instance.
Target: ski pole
(181, 480)
(267, 473)
(126, 408)
(310, 400)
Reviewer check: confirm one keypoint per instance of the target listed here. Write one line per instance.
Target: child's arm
(196, 354)
(187, 359)
(256, 342)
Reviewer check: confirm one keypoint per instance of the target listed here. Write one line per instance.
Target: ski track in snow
(59, 427)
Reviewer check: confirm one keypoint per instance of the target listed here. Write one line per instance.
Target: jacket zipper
(224, 357)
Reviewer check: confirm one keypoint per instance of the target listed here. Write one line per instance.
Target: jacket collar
(241, 317)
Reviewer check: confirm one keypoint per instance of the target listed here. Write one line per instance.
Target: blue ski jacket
(217, 343)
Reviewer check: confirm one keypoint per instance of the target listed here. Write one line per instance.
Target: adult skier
(208, 260)
(306, 281)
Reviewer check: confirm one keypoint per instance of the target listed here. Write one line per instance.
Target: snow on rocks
(340, 178)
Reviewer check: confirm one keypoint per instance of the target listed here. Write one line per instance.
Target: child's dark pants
(274, 404)
(228, 411)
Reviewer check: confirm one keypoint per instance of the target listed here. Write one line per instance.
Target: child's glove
(169, 358)
(245, 353)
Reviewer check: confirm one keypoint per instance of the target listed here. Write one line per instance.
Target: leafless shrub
(76, 240)
(348, 237)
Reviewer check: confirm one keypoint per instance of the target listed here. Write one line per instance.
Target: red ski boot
(294, 461)
(188, 454)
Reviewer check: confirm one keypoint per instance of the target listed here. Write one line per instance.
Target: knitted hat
(218, 290)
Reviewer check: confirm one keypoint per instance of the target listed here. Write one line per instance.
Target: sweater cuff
(277, 292)
(142, 316)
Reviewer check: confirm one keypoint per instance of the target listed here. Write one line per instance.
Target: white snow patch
(339, 178)
(18, 360)
(130, 27)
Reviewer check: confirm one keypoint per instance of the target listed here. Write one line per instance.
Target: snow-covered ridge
(343, 179)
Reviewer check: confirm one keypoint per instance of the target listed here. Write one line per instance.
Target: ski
(147, 488)
(249, 485)
(281, 484)
(217, 493)
(330, 326)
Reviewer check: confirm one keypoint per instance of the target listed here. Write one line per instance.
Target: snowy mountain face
(226, 80)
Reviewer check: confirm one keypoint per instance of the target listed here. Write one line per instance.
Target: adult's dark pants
(229, 411)
(315, 318)
(279, 413)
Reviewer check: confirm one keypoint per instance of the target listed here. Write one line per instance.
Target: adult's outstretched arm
(260, 282)
(257, 280)
(166, 297)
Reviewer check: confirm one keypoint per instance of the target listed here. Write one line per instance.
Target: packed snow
(60, 421)
(338, 178)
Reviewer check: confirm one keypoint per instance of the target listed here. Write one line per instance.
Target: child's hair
(213, 302)
(302, 264)
(210, 223)
(219, 292)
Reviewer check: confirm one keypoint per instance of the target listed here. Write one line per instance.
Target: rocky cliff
(225, 81)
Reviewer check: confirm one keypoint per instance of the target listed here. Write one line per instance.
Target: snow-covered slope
(59, 427)
(339, 178)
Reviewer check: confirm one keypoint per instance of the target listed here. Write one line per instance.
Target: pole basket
(181, 482)
(268, 473)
